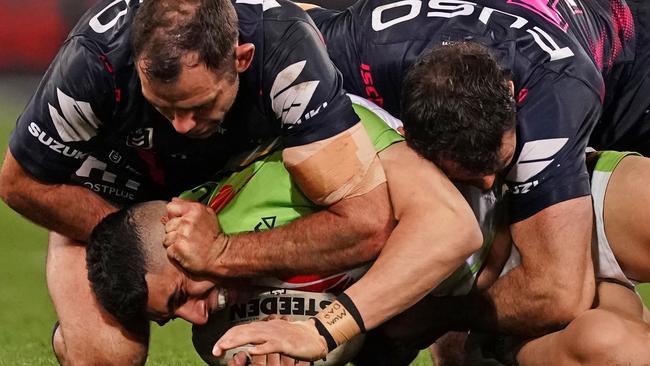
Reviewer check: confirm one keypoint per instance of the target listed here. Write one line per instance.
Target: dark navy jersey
(625, 124)
(89, 124)
(550, 51)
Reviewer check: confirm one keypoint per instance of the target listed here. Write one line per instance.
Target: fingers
(287, 361)
(173, 224)
(239, 359)
(275, 359)
(242, 335)
(178, 207)
(170, 239)
(266, 360)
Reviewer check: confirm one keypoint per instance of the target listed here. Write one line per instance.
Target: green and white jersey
(261, 195)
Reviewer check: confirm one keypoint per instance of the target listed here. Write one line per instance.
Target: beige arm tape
(339, 322)
(342, 166)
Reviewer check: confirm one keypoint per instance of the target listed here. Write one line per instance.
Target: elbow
(471, 237)
(10, 180)
(566, 308)
(464, 228)
(566, 302)
(8, 188)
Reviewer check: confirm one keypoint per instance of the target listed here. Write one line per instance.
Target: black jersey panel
(304, 87)
(72, 104)
(555, 116)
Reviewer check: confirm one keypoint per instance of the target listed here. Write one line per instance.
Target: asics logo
(535, 156)
(290, 101)
(78, 122)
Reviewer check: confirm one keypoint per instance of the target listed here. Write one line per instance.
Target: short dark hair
(457, 105)
(166, 30)
(116, 262)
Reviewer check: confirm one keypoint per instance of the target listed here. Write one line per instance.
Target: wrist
(218, 261)
(313, 325)
(339, 322)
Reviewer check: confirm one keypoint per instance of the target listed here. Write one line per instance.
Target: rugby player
(614, 332)
(561, 58)
(257, 196)
(96, 135)
(457, 80)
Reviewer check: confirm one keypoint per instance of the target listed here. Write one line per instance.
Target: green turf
(26, 314)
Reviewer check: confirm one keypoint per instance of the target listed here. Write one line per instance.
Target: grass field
(26, 314)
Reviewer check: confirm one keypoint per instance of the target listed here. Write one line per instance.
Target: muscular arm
(436, 232)
(347, 234)
(555, 281)
(69, 210)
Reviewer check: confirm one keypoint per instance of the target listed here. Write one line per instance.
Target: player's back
(375, 41)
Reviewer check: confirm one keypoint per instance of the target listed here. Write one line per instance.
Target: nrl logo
(141, 138)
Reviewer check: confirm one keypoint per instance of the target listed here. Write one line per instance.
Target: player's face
(196, 102)
(486, 181)
(172, 294)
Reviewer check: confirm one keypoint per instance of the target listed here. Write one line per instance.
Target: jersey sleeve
(305, 88)
(52, 137)
(555, 116)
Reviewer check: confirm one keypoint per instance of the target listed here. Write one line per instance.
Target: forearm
(554, 282)
(347, 235)
(411, 265)
(70, 210)
(436, 232)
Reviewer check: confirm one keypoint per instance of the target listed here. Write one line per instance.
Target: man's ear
(244, 56)
(511, 85)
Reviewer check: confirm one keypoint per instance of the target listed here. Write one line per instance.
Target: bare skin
(616, 330)
(197, 113)
(629, 232)
(87, 334)
(49, 205)
(552, 285)
(85, 328)
(613, 333)
(365, 220)
(422, 256)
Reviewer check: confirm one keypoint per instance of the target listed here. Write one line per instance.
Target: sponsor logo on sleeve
(535, 156)
(78, 122)
(290, 101)
(54, 145)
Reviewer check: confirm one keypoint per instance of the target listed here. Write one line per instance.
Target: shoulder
(108, 26)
